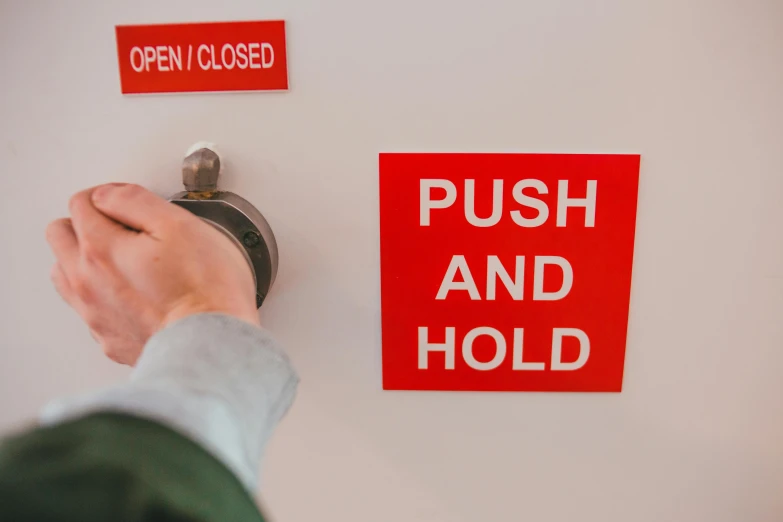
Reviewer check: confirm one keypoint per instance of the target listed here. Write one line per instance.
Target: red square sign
(506, 272)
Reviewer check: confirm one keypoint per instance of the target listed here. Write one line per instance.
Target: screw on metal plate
(233, 215)
(250, 239)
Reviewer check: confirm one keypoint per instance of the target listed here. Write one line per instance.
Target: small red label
(198, 57)
(506, 272)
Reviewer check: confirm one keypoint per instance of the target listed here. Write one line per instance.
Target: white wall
(695, 86)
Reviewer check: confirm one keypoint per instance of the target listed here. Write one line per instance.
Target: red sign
(506, 272)
(223, 56)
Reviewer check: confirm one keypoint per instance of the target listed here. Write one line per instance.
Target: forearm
(213, 378)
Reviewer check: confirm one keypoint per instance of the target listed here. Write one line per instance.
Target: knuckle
(92, 253)
(75, 203)
(54, 230)
(91, 320)
(119, 350)
(81, 287)
(109, 351)
(112, 352)
(56, 275)
(95, 319)
(179, 224)
(51, 230)
(60, 284)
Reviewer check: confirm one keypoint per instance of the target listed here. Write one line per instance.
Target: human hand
(130, 263)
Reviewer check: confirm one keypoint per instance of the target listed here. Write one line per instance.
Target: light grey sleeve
(216, 379)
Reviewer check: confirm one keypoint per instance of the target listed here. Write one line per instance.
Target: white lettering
(538, 278)
(517, 361)
(204, 66)
(527, 201)
(458, 263)
(426, 203)
(557, 349)
(425, 347)
(588, 202)
(539, 206)
(467, 348)
(470, 204)
(136, 51)
(495, 270)
(266, 64)
(242, 56)
(215, 66)
(176, 58)
(254, 54)
(149, 56)
(233, 56)
(160, 51)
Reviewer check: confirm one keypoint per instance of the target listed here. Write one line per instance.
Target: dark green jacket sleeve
(116, 468)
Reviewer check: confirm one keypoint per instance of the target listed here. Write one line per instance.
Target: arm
(213, 378)
(209, 385)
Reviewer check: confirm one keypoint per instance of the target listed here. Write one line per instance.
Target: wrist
(249, 314)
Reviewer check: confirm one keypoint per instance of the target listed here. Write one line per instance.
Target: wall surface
(695, 86)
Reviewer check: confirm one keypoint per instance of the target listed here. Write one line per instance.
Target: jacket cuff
(214, 378)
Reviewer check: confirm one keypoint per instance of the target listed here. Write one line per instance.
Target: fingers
(61, 284)
(62, 240)
(93, 229)
(137, 207)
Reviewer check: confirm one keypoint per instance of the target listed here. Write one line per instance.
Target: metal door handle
(233, 215)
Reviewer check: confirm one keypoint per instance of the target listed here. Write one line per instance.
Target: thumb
(136, 207)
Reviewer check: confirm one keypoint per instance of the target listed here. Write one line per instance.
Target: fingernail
(101, 192)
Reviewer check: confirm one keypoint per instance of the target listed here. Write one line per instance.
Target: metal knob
(200, 170)
(233, 215)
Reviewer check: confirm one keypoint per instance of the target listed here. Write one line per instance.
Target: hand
(130, 263)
